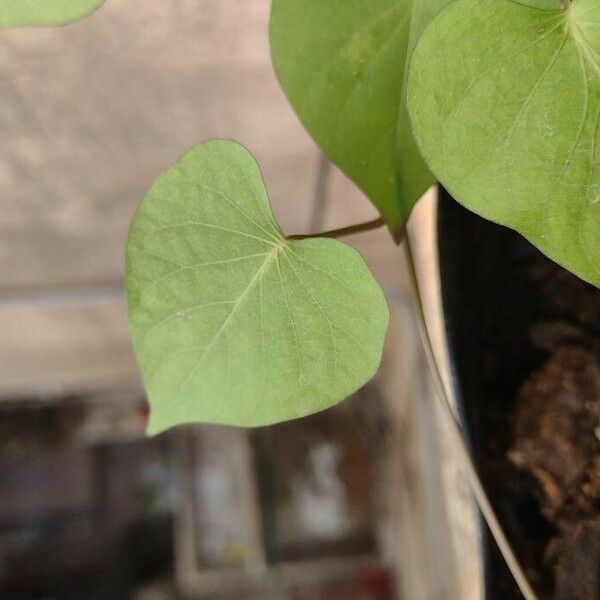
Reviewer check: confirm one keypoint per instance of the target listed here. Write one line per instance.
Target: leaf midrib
(270, 257)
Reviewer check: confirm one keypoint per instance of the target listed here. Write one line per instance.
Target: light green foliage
(18, 13)
(423, 12)
(233, 323)
(583, 19)
(341, 64)
(505, 105)
(542, 4)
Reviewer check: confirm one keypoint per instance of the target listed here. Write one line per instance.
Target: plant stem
(336, 233)
(443, 397)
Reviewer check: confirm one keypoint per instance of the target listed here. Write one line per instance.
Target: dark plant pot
(509, 312)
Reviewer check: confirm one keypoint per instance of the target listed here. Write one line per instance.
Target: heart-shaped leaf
(505, 105)
(19, 13)
(232, 322)
(341, 64)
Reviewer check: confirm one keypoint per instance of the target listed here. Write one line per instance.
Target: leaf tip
(398, 234)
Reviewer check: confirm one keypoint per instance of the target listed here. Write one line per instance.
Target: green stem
(343, 231)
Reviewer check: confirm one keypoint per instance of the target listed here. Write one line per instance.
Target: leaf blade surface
(505, 104)
(342, 64)
(233, 323)
(20, 13)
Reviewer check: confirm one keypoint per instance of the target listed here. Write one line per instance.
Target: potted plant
(235, 322)
(498, 100)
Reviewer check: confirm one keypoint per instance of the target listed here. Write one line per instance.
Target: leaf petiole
(342, 231)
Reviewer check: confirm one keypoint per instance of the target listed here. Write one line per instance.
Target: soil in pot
(524, 335)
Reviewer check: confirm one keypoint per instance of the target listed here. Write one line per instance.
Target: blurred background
(364, 501)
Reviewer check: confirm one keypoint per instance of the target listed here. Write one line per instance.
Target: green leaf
(233, 323)
(542, 4)
(19, 13)
(422, 13)
(505, 104)
(341, 64)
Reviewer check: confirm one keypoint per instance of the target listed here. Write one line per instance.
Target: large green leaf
(233, 323)
(17, 13)
(341, 64)
(505, 105)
